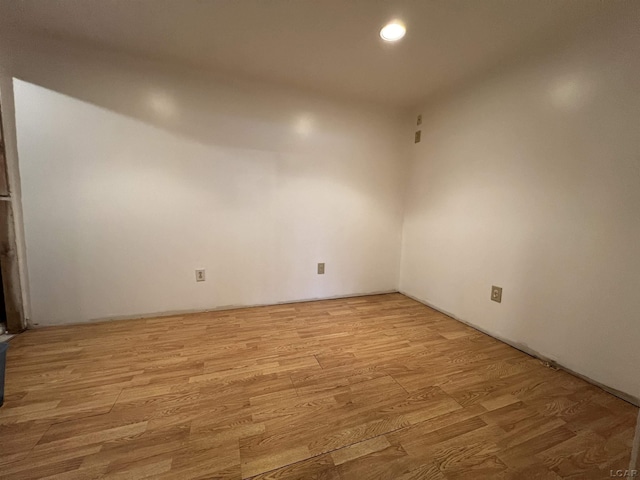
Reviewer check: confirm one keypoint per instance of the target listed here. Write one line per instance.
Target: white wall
(134, 175)
(530, 180)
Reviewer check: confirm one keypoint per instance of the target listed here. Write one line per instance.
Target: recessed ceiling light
(392, 32)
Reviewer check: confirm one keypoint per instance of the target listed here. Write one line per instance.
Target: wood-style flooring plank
(367, 387)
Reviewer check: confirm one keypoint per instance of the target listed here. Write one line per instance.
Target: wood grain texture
(368, 387)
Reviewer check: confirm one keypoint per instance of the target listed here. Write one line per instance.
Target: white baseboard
(173, 313)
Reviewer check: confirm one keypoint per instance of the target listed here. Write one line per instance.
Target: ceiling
(327, 46)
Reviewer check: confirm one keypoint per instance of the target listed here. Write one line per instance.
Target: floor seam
(114, 403)
(316, 357)
(294, 386)
(394, 379)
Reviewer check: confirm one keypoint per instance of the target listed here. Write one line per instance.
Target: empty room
(319, 239)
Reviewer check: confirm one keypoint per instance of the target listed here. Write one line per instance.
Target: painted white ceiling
(329, 46)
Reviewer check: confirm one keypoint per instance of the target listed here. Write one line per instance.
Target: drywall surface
(134, 175)
(530, 181)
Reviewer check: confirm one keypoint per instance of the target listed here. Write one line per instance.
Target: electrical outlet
(496, 294)
(200, 276)
(417, 136)
(321, 269)
(419, 120)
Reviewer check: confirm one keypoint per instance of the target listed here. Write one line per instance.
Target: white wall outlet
(496, 294)
(321, 269)
(200, 275)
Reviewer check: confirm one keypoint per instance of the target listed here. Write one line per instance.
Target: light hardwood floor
(360, 388)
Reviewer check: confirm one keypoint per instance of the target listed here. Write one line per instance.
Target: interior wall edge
(627, 397)
(15, 191)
